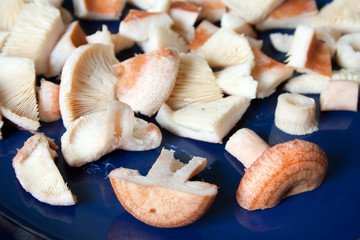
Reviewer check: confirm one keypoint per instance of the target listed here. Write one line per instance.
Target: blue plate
(331, 211)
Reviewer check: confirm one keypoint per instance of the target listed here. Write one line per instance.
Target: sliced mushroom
(98, 9)
(209, 122)
(94, 135)
(87, 81)
(18, 101)
(237, 24)
(72, 38)
(201, 34)
(9, 12)
(37, 173)
(146, 81)
(48, 100)
(211, 10)
(195, 83)
(283, 170)
(41, 25)
(307, 83)
(164, 197)
(184, 15)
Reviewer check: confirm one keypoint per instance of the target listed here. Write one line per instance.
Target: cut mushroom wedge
(9, 12)
(38, 174)
(237, 24)
(283, 170)
(201, 34)
(290, 14)
(94, 135)
(48, 100)
(146, 81)
(164, 197)
(18, 101)
(236, 50)
(209, 122)
(195, 83)
(41, 25)
(308, 83)
(87, 81)
(184, 15)
(98, 9)
(307, 54)
(71, 39)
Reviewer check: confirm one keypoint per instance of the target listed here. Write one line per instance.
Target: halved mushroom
(146, 81)
(236, 50)
(87, 81)
(41, 25)
(48, 100)
(72, 38)
(209, 122)
(269, 73)
(18, 101)
(307, 54)
(9, 12)
(307, 83)
(195, 83)
(201, 34)
(283, 170)
(253, 11)
(164, 197)
(237, 24)
(184, 15)
(38, 174)
(137, 24)
(211, 10)
(98, 9)
(290, 14)
(94, 135)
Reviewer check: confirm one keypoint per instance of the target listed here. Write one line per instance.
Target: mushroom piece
(347, 51)
(38, 174)
(18, 101)
(146, 81)
(329, 37)
(41, 25)
(164, 197)
(48, 100)
(201, 34)
(3, 37)
(94, 135)
(87, 81)
(195, 83)
(121, 42)
(70, 40)
(104, 37)
(9, 12)
(281, 41)
(184, 15)
(308, 83)
(237, 24)
(209, 121)
(346, 74)
(98, 9)
(283, 170)
(211, 10)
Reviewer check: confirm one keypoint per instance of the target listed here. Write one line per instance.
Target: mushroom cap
(87, 81)
(283, 170)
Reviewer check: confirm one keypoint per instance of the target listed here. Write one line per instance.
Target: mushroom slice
(237, 24)
(346, 74)
(290, 14)
(104, 37)
(246, 146)
(341, 95)
(87, 81)
(307, 83)
(98, 9)
(18, 101)
(269, 73)
(9, 12)
(236, 50)
(37, 173)
(163, 37)
(283, 170)
(184, 15)
(41, 25)
(94, 135)
(281, 41)
(307, 54)
(236, 80)
(348, 51)
(48, 99)
(71, 39)
(201, 34)
(209, 122)
(195, 83)
(211, 10)
(295, 114)
(137, 24)
(146, 81)
(164, 197)
(253, 11)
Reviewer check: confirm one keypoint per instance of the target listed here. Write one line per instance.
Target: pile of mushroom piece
(195, 78)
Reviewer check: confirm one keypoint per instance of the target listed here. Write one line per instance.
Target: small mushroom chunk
(87, 81)
(18, 101)
(98, 9)
(209, 121)
(165, 197)
(9, 12)
(121, 42)
(38, 174)
(211, 10)
(281, 41)
(283, 170)
(48, 100)
(308, 83)
(35, 33)
(237, 24)
(184, 15)
(104, 37)
(348, 51)
(94, 135)
(201, 34)
(146, 81)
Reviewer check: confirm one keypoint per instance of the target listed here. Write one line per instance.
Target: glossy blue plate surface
(331, 211)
